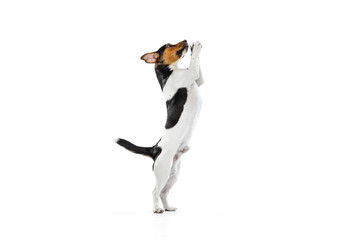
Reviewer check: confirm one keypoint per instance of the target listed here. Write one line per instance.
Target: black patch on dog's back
(175, 107)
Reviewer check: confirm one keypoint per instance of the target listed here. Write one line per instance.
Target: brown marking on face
(169, 55)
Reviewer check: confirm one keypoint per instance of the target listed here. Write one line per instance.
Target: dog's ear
(150, 57)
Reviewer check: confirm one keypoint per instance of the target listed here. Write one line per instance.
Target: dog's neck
(163, 73)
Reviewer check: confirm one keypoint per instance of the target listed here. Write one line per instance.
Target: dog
(180, 88)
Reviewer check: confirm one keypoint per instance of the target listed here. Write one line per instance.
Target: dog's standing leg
(174, 174)
(169, 184)
(162, 169)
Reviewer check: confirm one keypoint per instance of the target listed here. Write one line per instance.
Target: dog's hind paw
(158, 210)
(171, 209)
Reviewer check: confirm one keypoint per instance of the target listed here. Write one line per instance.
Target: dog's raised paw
(196, 47)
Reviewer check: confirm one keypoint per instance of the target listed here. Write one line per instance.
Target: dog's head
(167, 54)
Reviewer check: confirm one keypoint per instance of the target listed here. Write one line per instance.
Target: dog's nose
(185, 41)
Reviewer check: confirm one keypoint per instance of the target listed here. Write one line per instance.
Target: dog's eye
(168, 45)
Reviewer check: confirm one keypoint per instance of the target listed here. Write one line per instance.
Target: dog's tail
(152, 152)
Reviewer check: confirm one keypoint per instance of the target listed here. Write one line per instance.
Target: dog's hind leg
(162, 169)
(174, 174)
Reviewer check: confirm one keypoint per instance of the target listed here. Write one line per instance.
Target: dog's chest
(171, 87)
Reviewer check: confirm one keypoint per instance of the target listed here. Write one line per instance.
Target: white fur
(175, 140)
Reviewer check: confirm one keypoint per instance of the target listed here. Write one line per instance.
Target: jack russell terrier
(181, 91)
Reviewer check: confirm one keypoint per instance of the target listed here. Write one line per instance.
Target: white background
(275, 154)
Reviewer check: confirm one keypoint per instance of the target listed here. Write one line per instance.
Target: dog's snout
(185, 43)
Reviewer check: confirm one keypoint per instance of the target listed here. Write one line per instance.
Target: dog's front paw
(158, 210)
(196, 48)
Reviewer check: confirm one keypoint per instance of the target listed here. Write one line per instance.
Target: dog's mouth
(185, 47)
